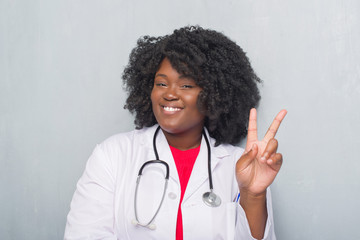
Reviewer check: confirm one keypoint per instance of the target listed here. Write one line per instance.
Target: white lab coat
(103, 203)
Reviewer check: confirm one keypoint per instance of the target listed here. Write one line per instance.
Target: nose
(171, 94)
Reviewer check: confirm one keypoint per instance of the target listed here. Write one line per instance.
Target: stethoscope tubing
(158, 209)
(210, 198)
(137, 222)
(209, 161)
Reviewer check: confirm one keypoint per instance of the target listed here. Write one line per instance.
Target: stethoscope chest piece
(211, 199)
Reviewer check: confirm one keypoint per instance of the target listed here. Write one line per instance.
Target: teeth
(171, 109)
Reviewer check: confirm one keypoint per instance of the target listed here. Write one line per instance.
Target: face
(174, 101)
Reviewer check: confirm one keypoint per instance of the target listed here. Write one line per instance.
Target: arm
(256, 212)
(256, 170)
(92, 208)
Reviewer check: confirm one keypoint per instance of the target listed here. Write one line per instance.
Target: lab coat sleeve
(92, 208)
(242, 230)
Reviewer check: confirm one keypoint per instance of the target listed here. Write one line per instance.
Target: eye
(187, 86)
(160, 84)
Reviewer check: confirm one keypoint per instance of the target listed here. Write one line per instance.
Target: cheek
(193, 102)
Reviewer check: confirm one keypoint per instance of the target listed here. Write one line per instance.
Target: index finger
(271, 132)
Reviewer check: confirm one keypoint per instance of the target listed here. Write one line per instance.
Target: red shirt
(184, 161)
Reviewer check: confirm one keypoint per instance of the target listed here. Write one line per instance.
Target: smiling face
(174, 101)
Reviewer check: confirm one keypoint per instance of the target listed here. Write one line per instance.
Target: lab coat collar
(199, 175)
(218, 152)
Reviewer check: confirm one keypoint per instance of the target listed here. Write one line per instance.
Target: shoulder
(123, 141)
(232, 149)
(119, 147)
(225, 150)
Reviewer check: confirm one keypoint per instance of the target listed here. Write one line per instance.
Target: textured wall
(61, 93)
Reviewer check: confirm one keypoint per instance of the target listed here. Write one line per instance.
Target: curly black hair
(216, 63)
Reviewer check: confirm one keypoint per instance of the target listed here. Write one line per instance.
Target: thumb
(247, 158)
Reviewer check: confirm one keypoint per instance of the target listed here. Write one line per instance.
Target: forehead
(166, 69)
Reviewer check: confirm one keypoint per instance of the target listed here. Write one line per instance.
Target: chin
(171, 128)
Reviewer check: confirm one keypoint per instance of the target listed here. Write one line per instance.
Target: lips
(171, 109)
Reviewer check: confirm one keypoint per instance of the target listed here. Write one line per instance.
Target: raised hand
(258, 166)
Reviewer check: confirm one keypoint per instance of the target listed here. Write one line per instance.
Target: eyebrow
(160, 75)
(180, 77)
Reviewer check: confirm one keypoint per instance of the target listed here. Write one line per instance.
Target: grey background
(61, 93)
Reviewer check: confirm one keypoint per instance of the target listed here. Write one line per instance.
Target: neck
(184, 141)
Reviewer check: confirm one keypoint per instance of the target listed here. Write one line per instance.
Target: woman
(191, 93)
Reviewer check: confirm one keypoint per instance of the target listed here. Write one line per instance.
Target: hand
(258, 166)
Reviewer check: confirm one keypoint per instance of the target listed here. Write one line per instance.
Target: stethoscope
(209, 198)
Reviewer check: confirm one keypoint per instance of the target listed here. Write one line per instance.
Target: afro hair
(216, 63)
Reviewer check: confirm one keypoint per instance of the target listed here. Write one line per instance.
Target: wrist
(251, 195)
(249, 199)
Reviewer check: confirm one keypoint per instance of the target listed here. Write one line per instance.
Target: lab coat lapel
(199, 174)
